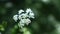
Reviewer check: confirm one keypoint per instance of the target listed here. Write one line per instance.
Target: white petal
(28, 10)
(28, 21)
(23, 21)
(20, 24)
(15, 17)
(31, 15)
(19, 17)
(20, 11)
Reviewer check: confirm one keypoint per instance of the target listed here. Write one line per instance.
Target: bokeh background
(47, 16)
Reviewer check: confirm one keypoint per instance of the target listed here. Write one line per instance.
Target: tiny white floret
(15, 17)
(31, 15)
(28, 10)
(20, 11)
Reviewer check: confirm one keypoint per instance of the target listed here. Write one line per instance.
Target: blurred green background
(47, 16)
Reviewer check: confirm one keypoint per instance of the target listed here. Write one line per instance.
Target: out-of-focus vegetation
(47, 16)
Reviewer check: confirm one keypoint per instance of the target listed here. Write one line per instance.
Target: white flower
(20, 11)
(15, 17)
(31, 15)
(28, 10)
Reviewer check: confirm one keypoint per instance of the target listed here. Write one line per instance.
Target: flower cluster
(24, 17)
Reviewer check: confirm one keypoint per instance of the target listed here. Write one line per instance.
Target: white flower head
(24, 17)
(15, 17)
